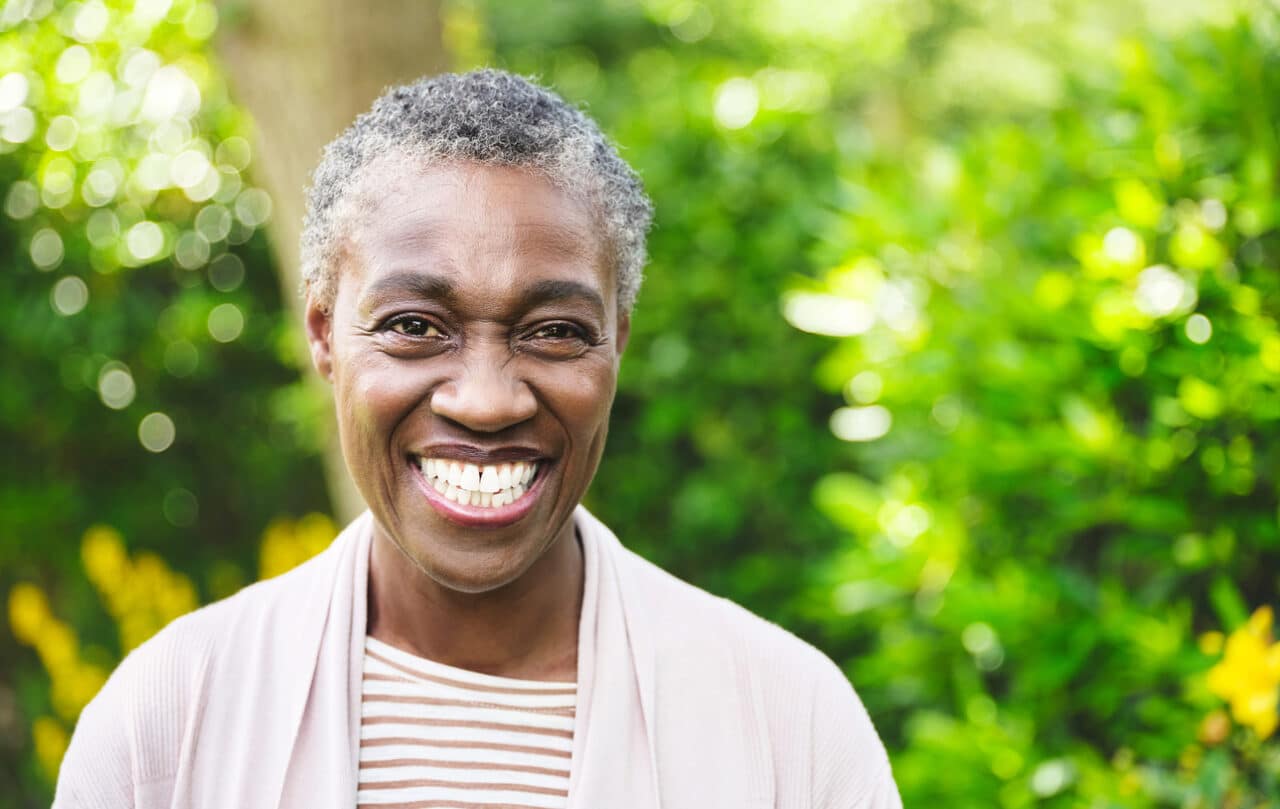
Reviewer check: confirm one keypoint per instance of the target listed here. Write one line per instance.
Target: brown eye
(557, 331)
(413, 326)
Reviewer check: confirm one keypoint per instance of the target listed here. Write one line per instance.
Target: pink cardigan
(685, 700)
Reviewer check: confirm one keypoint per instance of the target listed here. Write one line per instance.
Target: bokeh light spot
(234, 152)
(831, 315)
(1162, 292)
(102, 229)
(213, 222)
(115, 386)
(17, 126)
(69, 296)
(253, 207)
(226, 273)
(736, 103)
(61, 133)
(22, 200)
(73, 65)
(156, 432)
(1199, 329)
(861, 423)
(226, 322)
(46, 249)
(144, 240)
(13, 91)
(192, 250)
(91, 21)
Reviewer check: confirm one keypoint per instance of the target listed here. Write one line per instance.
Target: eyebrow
(415, 284)
(552, 290)
(434, 287)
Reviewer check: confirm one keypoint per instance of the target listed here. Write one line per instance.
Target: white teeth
(470, 477)
(491, 486)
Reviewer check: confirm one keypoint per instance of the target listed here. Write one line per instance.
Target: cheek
(585, 395)
(375, 397)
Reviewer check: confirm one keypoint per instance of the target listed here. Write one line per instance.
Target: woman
(472, 253)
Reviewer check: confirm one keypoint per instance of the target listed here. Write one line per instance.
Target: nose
(485, 395)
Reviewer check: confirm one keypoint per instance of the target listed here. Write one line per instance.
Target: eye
(557, 331)
(412, 326)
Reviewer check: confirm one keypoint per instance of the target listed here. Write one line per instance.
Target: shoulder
(131, 733)
(690, 616)
(798, 691)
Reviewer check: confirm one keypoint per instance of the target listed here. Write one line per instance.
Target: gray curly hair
(486, 116)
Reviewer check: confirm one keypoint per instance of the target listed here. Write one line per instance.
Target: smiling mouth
(489, 486)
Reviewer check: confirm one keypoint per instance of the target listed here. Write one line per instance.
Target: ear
(319, 324)
(623, 333)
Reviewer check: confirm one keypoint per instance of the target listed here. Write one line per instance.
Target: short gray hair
(489, 117)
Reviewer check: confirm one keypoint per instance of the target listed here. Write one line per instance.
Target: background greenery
(958, 356)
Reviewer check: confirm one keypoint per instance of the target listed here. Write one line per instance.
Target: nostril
(484, 402)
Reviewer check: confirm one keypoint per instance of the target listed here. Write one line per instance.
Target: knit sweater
(684, 700)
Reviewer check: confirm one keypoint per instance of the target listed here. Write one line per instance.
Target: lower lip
(479, 516)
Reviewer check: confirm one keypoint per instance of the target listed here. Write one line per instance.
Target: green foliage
(133, 284)
(1030, 250)
(1047, 242)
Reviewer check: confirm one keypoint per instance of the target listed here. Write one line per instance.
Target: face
(473, 348)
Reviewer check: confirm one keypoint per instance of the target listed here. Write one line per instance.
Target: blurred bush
(1018, 258)
(147, 411)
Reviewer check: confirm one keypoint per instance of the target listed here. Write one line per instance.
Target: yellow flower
(50, 740)
(287, 544)
(1248, 676)
(28, 612)
(104, 557)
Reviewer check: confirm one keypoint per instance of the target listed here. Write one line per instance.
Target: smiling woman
(472, 254)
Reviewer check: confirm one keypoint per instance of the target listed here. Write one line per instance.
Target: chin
(474, 571)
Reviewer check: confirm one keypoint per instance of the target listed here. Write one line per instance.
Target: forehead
(491, 229)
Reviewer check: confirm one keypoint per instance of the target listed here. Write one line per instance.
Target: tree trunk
(304, 69)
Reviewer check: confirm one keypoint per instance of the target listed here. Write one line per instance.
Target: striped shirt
(436, 736)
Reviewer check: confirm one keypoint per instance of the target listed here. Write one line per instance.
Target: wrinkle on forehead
(449, 219)
(428, 220)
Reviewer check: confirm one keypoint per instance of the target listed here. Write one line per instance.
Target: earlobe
(319, 325)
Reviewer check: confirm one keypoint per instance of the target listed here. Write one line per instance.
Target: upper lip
(480, 455)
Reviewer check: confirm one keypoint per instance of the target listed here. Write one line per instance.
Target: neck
(526, 629)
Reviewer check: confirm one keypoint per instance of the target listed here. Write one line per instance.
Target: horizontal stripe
(472, 778)
(378, 712)
(462, 765)
(444, 804)
(403, 685)
(500, 727)
(463, 797)
(373, 699)
(431, 736)
(436, 736)
(438, 672)
(466, 745)
(374, 756)
(435, 782)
